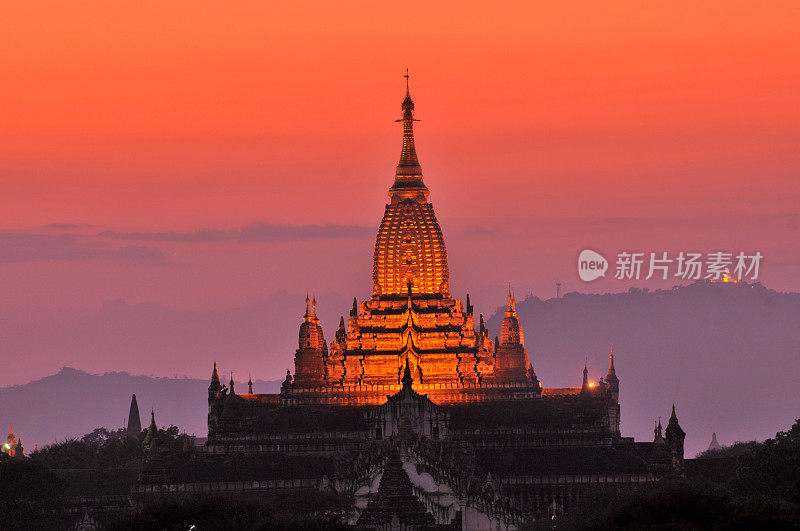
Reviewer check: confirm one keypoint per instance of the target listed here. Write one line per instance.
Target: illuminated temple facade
(411, 318)
(414, 410)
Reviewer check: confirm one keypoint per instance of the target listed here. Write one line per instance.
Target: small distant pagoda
(134, 420)
(714, 445)
(13, 445)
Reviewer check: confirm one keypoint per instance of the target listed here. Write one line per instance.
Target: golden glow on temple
(411, 317)
(410, 382)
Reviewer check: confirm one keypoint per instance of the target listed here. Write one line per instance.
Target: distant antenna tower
(558, 290)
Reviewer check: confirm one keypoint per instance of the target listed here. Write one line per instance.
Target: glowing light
(592, 384)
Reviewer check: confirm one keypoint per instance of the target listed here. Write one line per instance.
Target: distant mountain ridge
(72, 402)
(728, 355)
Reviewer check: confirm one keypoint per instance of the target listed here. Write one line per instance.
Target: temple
(414, 410)
(411, 318)
(134, 426)
(13, 445)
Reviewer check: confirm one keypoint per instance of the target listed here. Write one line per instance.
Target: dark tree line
(763, 493)
(34, 490)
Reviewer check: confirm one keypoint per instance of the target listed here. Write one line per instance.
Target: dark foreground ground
(744, 486)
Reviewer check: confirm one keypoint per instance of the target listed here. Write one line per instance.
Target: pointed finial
(611, 377)
(249, 384)
(586, 374)
(408, 177)
(673, 416)
(153, 426)
(314, 302)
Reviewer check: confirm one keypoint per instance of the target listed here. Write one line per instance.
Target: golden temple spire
(314, 317)
(611, 369)
(511, 309)
(408, 177)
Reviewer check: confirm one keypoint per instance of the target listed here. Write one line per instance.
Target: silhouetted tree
(764, 494)
(676, 503)
(737, 449)
(773, 467)
(103, 449)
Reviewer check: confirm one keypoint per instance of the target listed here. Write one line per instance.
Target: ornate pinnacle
(511, 309)
(409, 172)
(585, 375)
(214, 386)
(611, 377)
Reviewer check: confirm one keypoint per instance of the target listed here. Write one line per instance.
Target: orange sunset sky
(547, 128)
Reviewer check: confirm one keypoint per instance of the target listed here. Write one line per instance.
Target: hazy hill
(728, 355)
(72, 403)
